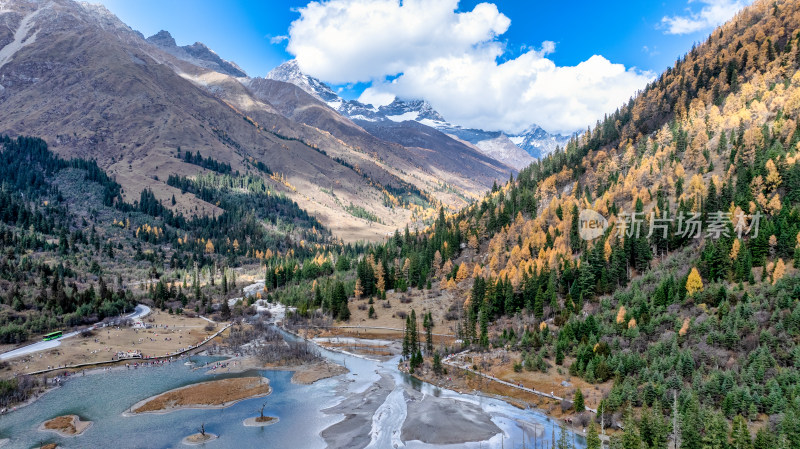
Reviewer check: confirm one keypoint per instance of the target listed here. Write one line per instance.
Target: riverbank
(373, 405)
(304, 373)
(308, 373)
(467, 381)
(204, 395)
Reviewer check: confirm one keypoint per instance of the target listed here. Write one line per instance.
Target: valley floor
(166, 334)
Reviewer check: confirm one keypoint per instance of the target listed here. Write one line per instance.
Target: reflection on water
(102, 398)
(413, 381)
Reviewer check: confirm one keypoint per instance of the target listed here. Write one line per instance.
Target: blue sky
(645, 37)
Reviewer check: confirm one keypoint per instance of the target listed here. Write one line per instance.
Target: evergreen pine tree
(574, 235)
(414, 334)
(563, 438)
(690, 425)
(740, 435)
(716, 432)
(484, 338)
(225, 310)
(630, 437)
(437, 363)
(764, 440)
(578, 401)
(429, 332)
(407, 338)
(592, 438)
(344, 311)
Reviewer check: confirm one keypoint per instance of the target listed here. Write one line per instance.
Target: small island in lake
(213, 394)
(260, 421)
(66, 426)
(199, 438)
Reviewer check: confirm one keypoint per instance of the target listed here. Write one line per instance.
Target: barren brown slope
(446, 155)
(388, 164)
(78, 77)
(89, 85)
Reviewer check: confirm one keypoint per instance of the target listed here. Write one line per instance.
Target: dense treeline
(31, 209)
(38, 224)
(207, 162)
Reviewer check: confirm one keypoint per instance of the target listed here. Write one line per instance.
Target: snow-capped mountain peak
(535, 141)
(418, 110)
(289, 72)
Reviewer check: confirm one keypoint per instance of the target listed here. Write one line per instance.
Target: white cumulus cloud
(428, 49)
(711, 15)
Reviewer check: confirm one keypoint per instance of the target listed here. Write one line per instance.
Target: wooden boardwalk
(448, 361)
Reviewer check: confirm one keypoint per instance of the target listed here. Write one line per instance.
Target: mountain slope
(76, 76)
(442, 160)
(666, 322)
(197, 54)
(118, 104)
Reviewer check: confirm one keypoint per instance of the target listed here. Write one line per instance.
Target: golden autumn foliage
(621, 315)
(735, 248)
(694, 283)
(774, 205)
(436, 265)
(381, 281)
(779, 271)
(684, 328)
(462, 272)
(476, 271)
(358, 290)
(773, 177)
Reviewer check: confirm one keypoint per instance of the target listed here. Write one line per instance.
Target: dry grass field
(169, 333)
(215, 393)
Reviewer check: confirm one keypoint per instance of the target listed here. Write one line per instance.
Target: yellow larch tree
(694, 283)
(774, 205)
(735, 248)
(779, 271)
(476, 271)
(380, 281)
(753, 140)
(358, 290)
(773, 177)
(473, 242)
(462, 272)
(437, 263)
(621, 315)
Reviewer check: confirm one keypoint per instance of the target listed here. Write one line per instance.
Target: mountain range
(92, 87)
(534, 141)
